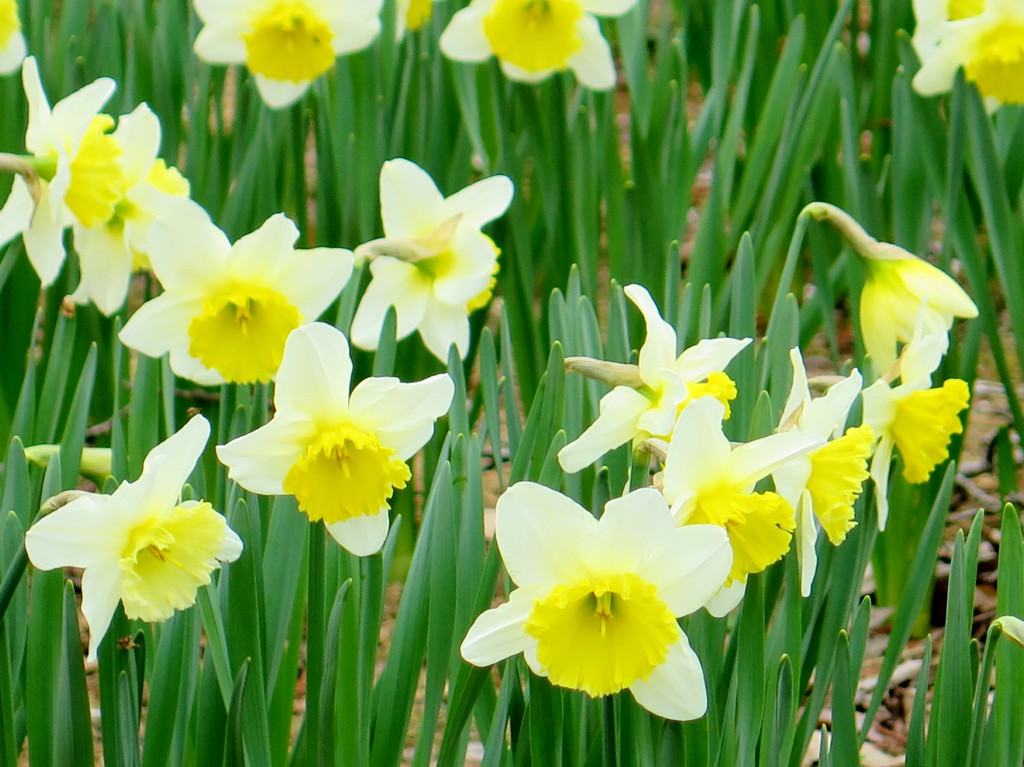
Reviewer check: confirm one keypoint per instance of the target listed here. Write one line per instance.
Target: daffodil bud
(95, 462)
(1012, 627)
(610, 373)
(900, 290)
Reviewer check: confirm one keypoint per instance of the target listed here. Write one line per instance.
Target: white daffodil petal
(40, 117)
(539, 532)
(324, 273)
(160, 325)
(725, 600)
(278, 94)
(632, 530)
(138, 135)
(921, 357)
(75, 535)
(616, 424)
(463, 39)
(880, 464)
(402, 415)
(799, 392)
(608, 7)
(12, 53)
(827, 415)
(698, 452)
(498, 633)
(183, 227)
(659, 348)
(101, 591)
(395, 283)
(592, 63)
(172, 461)
(753, 461)
(879, 407)
(268, 250)
(807, 539)
(480, 203)
(231, 548)
(259, 461)
(44, 242)
(410, 203)
(791, 478)
(444, 326)
(16, 215)
(675, 689)
(690, 567)
(105, 261)
(315, 372)
(710, 355)
(362, 535)
(220, 44)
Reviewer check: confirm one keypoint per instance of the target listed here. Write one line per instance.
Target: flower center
(345, 473)
(241, 333)
(964, 9)
(717, 385)
(924, 424)
(168, 558)
(289, 42)
(838, 471)
(418, 13)
(997, 67)
(9, 23)
(760, 527)
(602, 635)
(97, 183)
(534, 35)
(480, 301)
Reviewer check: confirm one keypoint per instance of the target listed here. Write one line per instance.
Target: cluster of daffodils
(287, 45)
(985, 38)
(597, 600)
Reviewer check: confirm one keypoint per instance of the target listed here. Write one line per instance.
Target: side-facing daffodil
(433, 264)
(12, 42)
(110, 248)
(71, 174)
(533, 39)
(141, 546)
(341, 455)
(597, 600)
(917, 419)
(285, 44)
(897, 283)
(987, 41)
(647, 398)
(824, 484)
(707, 481)
(226, 310)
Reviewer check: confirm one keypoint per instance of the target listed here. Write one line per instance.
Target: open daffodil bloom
(535, 38)
(433, 265)
(653, 393)
(708, 481)
(227, 310)
(285, 44)
(596, 601)
(341, 454)
(139, 546)
(822, 485)
(913, 417)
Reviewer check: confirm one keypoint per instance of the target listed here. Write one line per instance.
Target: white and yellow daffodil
(285, 44)
(70, 176)
(897, 285)
(647, 398)
(109, 249)
(226, 310)
(141, 545)
(824, 484)
(341, 455)
(12, 41)
(983, 37)
(707, 481)
(597, 600)
(533, 39)
(932, 16)
(433, 264)
(917, 419)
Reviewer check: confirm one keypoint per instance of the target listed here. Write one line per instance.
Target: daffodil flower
(110, 248)
(285, 44)
(596, 601)
(707, 481)
(12, 42)
(341, 455)
(226, 310)
(897, 284)
(411, 15)
(824, 484)
(986, 39)
(932, 16)
(533, 39)
(433, 264)
(651, 394)
(70, 176)
(913, 417)
(141, 546)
